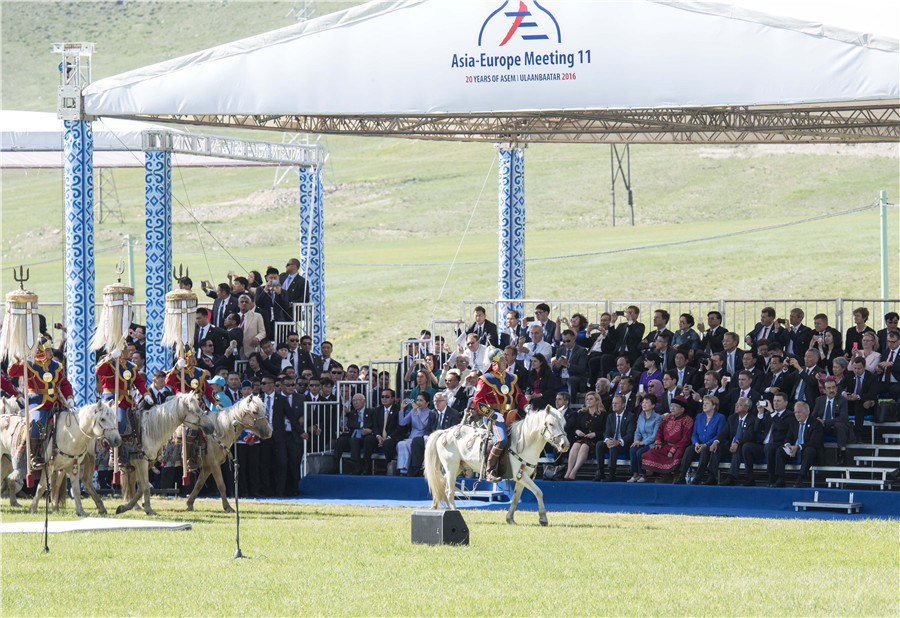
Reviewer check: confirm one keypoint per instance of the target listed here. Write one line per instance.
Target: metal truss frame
(301, 155)
(875, 121)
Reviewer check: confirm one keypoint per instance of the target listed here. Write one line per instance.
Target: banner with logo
(459, 56)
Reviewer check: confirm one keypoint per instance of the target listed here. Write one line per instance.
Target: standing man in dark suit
(388, 429)
(832, 412)
(514, 333)
(271, 303)
(266, 448)
(767, 328)
(617, 438)
(629, 334)
(891, 320)
(542, 317)
(224, 305)
(484, 329)
(860, 389)
(571, 364)
(287, 425)
(773, 423)
(660, 320)
(294, 287)
(798, 334)
(712, 338)
(804, 438)
(888, 371)
(205, 330)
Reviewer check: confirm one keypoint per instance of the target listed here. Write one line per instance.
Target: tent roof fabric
(529, 70)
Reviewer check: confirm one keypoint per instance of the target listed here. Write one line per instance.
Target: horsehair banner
(181, 311)
(20, 332)
(115, 317)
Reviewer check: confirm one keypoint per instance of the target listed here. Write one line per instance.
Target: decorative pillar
(158, 253)
(312, 257)
(78, 179)
(511, 226)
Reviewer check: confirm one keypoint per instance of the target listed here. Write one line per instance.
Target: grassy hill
(396, 210)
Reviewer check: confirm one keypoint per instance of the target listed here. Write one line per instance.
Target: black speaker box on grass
(442, 527)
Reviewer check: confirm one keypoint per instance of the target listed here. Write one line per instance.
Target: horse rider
(49, 392)
(498, 399)
(129, 380)
(196, 380)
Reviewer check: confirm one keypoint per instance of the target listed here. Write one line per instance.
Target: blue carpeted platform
(610, 497)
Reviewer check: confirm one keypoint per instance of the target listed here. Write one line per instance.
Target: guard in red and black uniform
(8, 387)
(498, 399)
(129, 381)
(195, 379)
(49, 391)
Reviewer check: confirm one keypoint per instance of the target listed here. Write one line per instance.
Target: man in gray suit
(570, 363)
(832, 411)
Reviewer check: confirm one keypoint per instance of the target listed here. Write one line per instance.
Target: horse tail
(433, 475)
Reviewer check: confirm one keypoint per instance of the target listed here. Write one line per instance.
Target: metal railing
(391, 369)
(322, 424)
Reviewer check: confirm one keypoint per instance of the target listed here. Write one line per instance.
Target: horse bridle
(551, 439)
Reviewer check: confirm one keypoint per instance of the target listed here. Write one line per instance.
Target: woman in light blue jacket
(647, 424)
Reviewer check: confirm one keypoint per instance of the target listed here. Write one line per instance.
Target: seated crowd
(651, 400)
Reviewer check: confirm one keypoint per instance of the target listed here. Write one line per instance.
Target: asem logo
(529, 25)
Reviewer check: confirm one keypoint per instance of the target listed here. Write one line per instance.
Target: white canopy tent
(517, 71)
(30, 140)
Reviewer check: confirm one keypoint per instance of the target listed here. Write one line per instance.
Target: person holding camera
(774, 423)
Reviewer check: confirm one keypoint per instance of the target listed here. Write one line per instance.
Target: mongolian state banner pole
(178, 330)
(19, 341)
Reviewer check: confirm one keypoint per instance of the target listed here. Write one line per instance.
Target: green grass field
(329, 560)
(396, 210)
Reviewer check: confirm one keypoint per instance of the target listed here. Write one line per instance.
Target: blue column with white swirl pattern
(158, 253)
(78, 182)
(511, 225)
(312, 257)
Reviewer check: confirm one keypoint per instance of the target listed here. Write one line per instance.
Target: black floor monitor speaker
(439, 528)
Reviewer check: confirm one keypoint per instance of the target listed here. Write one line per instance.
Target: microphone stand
(237, 506)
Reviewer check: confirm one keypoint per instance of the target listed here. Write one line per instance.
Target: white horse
(75, 432)
(249, 413)
(449, 448)
(157, 425)
(12, 459)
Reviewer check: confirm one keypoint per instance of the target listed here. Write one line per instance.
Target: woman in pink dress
(672, 437)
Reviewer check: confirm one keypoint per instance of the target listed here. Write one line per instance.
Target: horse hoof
(511, 522)
(228, 509)
(81, 513)
(190, 507)
(33, 510)
(152, 512)
(101, 512)
(120, 509)
(544, 522)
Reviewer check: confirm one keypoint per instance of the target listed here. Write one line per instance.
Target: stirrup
(491, 476)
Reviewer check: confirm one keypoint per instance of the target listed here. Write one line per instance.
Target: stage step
(850, 506)
(842, 482)
(891, 436)
(874, 459)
